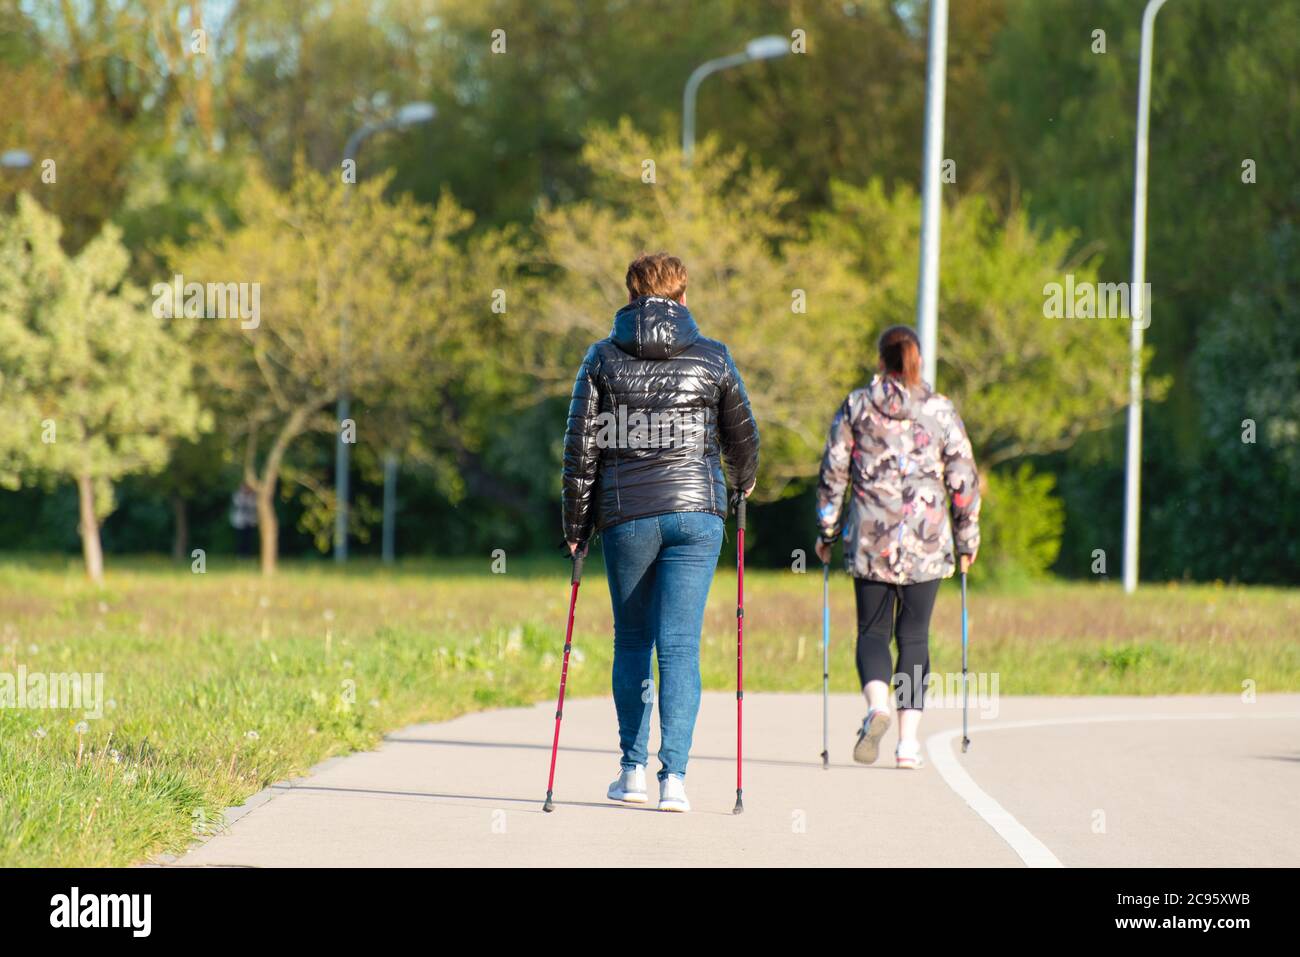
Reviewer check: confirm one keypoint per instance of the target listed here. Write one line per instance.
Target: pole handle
(578, 557)
(740, 511)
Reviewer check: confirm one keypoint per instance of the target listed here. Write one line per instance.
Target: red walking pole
(740, 647)
(564, 674)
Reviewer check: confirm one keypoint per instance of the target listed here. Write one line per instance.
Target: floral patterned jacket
(906, 455)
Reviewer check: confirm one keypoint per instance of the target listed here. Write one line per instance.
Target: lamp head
(767, 48)
(15, 159)
(414, 113)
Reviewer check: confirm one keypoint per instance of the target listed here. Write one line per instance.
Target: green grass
(222, 683)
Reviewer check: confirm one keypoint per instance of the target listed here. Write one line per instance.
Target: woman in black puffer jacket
(658, 413)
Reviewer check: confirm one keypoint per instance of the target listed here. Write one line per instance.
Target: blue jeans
(659, 570)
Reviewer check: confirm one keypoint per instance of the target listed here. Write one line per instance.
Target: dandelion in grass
(251, 735)
(38, 734)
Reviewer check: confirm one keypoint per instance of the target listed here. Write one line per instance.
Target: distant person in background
(243, 517)
(913, 519)
(658, 413)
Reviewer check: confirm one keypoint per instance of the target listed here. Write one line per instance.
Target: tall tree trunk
(390, 508)
(268, 527)
(181, 528)
(202, 81)
(91, 549)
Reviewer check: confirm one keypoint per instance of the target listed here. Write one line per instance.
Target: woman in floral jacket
(913, 518)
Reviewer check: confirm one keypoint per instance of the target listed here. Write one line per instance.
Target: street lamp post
(412, 114)
(762, 48)
(927, 286)
(1140, 309)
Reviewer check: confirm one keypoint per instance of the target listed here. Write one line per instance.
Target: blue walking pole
(965, 672)
(826, 664)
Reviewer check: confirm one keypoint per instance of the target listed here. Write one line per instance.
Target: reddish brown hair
(656, 274)
(900, 353)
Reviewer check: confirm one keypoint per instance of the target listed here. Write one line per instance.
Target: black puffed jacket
(657, 410)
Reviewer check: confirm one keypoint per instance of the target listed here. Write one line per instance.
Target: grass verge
(216, 685)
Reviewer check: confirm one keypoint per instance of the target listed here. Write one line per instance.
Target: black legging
(877, 623)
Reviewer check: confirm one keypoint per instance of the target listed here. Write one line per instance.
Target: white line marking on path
(1027, 847)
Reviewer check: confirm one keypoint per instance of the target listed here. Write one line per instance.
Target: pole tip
(548, 807)
(740, 805)
(965, 745)
(826, 761)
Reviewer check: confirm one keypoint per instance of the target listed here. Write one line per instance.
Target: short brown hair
(656, 274)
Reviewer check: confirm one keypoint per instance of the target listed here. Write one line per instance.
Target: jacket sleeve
(737, 430)
(834, 478)
(963, 483)
(581, 453)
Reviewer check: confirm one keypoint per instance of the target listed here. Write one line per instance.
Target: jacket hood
(654, 328)
(895, 400)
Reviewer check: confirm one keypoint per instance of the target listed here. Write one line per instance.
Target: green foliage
(354, 289)
(156, 135)
(520, 115)
(221, 684)
(1224, 91)
(1239, 516)
(79, 155)
(297, 79)
(1125, 659)
(92, 384)
(168, 192)
(1021, 522)
(1222, 76)
(1247, 364)
(787, 305)
(1024, 383)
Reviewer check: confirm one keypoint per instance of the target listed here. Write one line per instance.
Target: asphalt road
(1097, 781)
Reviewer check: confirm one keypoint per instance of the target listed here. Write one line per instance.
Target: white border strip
(1027, 847)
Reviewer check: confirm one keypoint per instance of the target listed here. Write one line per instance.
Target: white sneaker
(874, 726)
(629, 787)
(672, 794)
(908, 755)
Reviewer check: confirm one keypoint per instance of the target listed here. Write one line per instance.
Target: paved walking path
(1187, 780)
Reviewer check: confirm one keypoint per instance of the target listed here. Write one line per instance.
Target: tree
(788, 306)
(1224, 134)
(851, 107)
(352, 289)
(518, 81)
(93, 385)
(78, 155)
(1239, 517)
(1027, 383)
